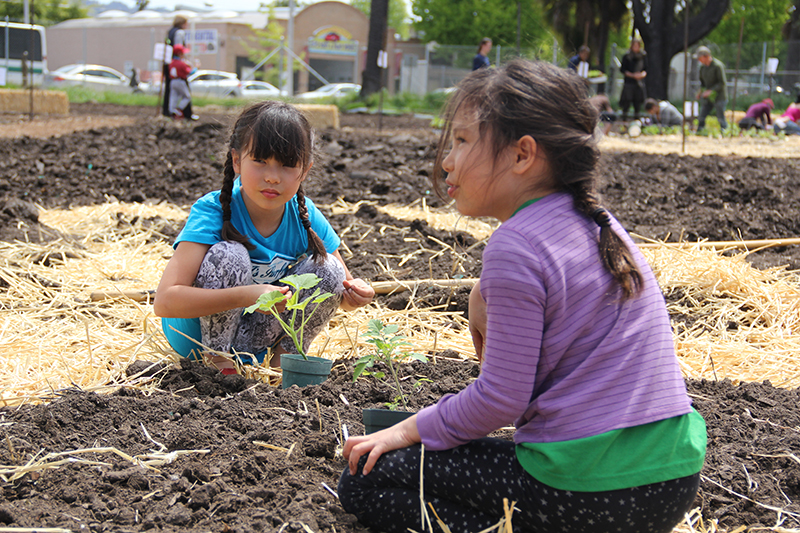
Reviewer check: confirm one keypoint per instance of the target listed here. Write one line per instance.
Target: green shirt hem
(622, 458)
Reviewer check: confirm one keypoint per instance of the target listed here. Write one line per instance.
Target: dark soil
(751, 471)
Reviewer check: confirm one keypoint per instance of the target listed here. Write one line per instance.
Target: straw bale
(19, 101)
(321, 116)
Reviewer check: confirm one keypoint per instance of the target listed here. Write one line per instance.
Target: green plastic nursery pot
(303, 372)
(378, 419)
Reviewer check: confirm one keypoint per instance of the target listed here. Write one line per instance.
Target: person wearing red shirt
(180, 98)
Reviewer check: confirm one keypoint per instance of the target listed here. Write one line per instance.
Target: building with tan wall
(331, 37)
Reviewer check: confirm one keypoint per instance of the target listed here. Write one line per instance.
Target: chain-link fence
(763, 67)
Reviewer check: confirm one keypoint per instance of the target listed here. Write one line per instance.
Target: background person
(576, 345)
(579, 63)
(789, 121)
(481, 59)
(238, 243)
(713, 93)
(180, 96)
(634, 69)
(607, 114)
(175, 36)
(758, 115)
(663, 113)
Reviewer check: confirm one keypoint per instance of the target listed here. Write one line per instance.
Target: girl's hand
(357, 293)
(376, 444)
(259, 289)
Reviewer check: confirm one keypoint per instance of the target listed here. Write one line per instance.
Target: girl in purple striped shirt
(572, 331)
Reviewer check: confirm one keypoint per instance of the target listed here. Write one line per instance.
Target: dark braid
(315, 244)
(229, 232)
(552, 106)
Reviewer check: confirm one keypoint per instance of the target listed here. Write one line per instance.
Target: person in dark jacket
(481, 59)
(634, 68)
(713, 93)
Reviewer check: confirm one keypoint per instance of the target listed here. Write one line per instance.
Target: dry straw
(730, 320)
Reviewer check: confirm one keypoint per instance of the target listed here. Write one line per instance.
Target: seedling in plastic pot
(387, 345)
(298, 318)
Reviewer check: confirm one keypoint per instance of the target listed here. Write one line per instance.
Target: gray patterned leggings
(466, 486)
(227, 264)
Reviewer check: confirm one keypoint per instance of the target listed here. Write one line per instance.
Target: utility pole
(289, 58)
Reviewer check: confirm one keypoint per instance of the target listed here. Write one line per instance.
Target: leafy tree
(466, 22)
(763, 21)
(588, 21)
(44, 12)
(791, 31)
(661, 25)
(398, 16)
(261, 44)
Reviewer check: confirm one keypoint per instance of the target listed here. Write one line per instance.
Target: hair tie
(601, 218)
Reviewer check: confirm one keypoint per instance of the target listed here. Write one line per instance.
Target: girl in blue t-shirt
(239, 241)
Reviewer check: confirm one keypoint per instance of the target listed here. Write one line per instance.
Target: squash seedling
(295, 325)
(387, 345)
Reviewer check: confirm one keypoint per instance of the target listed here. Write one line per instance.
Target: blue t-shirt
(270, 260)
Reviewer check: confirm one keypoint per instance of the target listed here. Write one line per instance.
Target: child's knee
(331, 273)
(226, 264)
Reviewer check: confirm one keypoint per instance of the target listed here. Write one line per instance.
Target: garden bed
(226, 453)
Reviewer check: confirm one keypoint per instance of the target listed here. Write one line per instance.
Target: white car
(259, 90)
(95, 77)
(332, 90)
(215, 83)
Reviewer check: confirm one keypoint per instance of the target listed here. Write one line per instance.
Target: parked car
(259, 90)
(95, 77)
(332, 90)
(215, 83)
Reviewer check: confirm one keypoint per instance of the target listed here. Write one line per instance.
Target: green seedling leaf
(321, 298)
(302, 281)
(418, 357)
(292, 326)
(266, 301)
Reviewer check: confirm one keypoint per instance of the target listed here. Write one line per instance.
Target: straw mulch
(730, 320)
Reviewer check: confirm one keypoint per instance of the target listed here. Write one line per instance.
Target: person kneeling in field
(663, 113)
(576, 346)
(758, 115)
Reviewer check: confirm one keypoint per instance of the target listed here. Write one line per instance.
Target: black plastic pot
(378, 419)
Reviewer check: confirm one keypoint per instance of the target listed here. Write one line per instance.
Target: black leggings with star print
(466, 487)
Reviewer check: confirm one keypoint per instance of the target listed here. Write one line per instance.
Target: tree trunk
(663, 35)
(793, 51)
(376, 41)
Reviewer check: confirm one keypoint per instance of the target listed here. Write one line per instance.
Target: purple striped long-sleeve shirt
(565, 358)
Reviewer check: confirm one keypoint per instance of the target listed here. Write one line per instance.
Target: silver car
(97, 77)
(332, 90)
(215, 83)
(259, 90)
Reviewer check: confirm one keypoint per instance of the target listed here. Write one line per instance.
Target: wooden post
(736, 80)
(685, 74)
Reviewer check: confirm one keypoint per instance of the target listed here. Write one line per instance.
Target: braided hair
(266, 130)
(551, 105)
